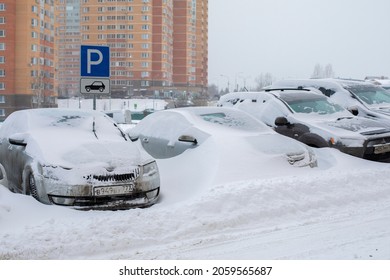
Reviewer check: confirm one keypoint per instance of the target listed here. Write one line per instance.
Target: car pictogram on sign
(96, 85)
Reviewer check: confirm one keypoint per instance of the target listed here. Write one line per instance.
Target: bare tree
(317, 72)
(328, 71)
(263, 80)
(321, 72)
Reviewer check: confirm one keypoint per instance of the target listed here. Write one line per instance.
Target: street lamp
(228, 81)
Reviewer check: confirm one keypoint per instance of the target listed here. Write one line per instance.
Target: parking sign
(95, 61)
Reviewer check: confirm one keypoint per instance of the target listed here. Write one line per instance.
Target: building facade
(157, 46)
(26, 55)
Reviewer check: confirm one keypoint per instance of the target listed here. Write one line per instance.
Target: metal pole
(94, 101)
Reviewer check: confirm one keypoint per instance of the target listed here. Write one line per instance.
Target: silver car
(169, 133)
(75, 158)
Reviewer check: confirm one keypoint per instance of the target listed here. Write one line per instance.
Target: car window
(371, 95)
(319, 106)
(234, 120)
(14, 124)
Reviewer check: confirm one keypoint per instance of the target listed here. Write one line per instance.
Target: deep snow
(339, 210)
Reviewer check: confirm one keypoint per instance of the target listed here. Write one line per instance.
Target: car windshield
(319, 106)
(98, 124)
(371, 95)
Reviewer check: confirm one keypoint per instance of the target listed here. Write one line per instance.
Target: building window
(2, 46)
(2, 86)
(2, 59)
(2, 20)
(2, 112)
(2, 33)
(2, 99)
(2, 73)
(2, 7)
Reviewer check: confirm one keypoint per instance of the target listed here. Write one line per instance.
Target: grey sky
(287, 38)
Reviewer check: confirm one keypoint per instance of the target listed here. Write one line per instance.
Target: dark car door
(293, 130)
(14, 158)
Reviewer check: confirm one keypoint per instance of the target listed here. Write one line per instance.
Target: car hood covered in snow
(342, 126)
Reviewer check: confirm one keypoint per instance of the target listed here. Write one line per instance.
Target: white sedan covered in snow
(169, 133)
(75, 158)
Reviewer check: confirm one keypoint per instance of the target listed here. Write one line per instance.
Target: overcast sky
(287, 38)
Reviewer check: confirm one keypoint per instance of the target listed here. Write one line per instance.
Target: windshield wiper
(120, 130)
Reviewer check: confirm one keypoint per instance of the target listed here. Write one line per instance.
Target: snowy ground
(340, 210)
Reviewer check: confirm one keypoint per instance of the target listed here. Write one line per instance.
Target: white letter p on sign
(91, 62)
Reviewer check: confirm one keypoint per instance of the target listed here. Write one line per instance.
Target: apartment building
(26, 55)
(145, 60)
(67, 47)
(190, 44)
(158, 48)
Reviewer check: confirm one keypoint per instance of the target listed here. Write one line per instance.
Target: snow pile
(339, 210)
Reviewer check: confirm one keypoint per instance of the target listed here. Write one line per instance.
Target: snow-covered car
(383, 82)
(310, 117)
(169, 133)
(75, 158)
(359, 97)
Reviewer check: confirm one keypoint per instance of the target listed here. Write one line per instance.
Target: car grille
(115, 177)
(378, 149)
(115, 202)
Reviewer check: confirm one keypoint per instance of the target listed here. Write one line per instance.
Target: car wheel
(32, 186)
(101, 89)
(87, 89)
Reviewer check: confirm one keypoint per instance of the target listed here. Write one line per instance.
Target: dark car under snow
(309, 117)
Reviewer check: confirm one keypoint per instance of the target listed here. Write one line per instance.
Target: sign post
(94, 70)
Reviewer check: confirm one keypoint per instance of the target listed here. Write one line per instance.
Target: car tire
(88, 89)
(32, 187)
(101, 89)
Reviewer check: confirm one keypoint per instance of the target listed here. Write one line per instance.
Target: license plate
(113, 190)
(380, 149)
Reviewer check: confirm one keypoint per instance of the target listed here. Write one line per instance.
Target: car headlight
(150, 169)
(350, 142)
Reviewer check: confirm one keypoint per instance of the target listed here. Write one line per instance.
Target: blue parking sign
(95, 61)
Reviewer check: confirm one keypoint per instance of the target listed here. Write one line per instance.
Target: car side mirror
(281, 121)
(188, 139)
(133, 137)
(354, 110)
(17, 141)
